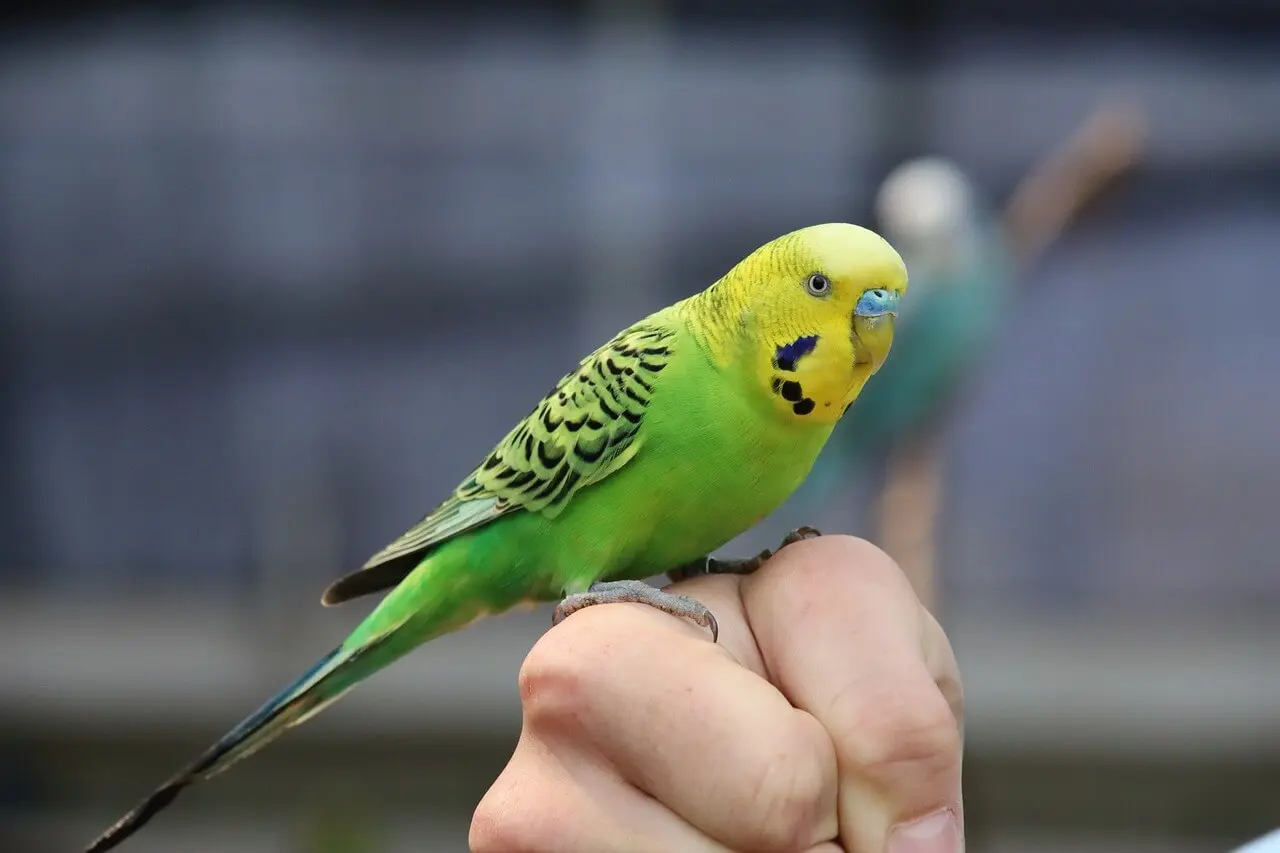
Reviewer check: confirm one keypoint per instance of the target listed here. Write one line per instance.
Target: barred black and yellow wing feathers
(585, 429)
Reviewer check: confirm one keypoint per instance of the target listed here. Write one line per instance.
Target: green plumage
(661, 446)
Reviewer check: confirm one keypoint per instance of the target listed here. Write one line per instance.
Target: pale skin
(827, 716)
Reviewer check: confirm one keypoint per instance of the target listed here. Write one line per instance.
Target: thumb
(845, 638)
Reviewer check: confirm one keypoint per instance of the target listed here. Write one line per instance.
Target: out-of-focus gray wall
(263, 275)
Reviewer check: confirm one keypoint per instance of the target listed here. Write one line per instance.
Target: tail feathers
(369, 580)
(296, 703)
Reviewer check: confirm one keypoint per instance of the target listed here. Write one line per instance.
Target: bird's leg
(637, 592)
(713, 566)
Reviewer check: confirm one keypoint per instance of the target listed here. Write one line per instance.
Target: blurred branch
(1043, 204)
(908, 508)
(1058, 189)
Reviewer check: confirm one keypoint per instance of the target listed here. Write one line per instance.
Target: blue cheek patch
(788, 354)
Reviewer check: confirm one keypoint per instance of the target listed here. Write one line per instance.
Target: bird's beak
(874, 317)
(877, 303)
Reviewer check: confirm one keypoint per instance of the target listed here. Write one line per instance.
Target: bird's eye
(818, 284)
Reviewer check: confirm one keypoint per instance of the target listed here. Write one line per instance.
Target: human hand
(827, 718)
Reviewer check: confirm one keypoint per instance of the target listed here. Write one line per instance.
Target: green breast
(716, 459)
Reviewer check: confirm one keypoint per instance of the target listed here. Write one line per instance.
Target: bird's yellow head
(809, 315)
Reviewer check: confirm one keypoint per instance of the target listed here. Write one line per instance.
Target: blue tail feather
(279, 712)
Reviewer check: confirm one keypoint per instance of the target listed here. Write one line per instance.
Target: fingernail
(937, 833)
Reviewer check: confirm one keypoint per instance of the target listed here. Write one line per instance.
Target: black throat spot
(793, 392)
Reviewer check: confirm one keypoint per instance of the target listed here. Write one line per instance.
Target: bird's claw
(799, 535)
(638, 592)
(739, 566)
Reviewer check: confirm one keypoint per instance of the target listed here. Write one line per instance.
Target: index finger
(844, 637)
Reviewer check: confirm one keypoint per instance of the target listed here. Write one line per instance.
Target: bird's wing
(585, 429)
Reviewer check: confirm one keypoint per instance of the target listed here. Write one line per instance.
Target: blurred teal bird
(962, 273)
(965, 259)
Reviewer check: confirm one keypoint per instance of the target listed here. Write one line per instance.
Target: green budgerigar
(674, 437)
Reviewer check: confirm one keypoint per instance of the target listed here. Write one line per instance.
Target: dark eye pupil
(818, 283)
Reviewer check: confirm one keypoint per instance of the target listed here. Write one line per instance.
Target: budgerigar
(671, 439)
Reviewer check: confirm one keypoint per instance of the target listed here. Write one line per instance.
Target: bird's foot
(799, 535)
(638, 592)
(713, 566)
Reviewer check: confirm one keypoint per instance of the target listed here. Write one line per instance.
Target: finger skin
(678, 718)
(844, 637)
(559, 801)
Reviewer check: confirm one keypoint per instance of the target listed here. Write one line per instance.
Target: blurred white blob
(928, 209)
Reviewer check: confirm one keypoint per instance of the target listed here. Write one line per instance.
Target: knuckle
(857, 549)
(835, 557)
(895, 729)
(864, 558)
(492, 831)
(793, 793)
(556, 679)
(787, 818)
(512, 818)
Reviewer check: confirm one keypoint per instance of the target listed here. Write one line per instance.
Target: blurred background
(273, 276)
